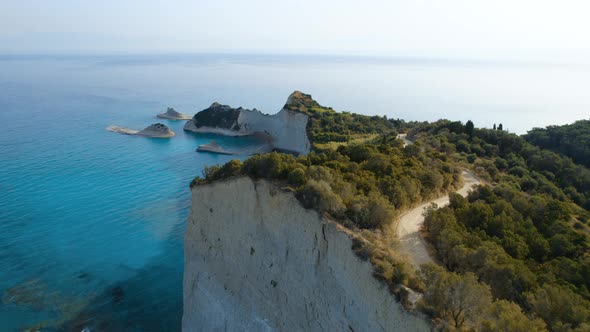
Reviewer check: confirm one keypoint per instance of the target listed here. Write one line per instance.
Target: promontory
(285, 131)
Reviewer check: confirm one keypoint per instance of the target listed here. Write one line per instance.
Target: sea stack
(156, 130)
(172, 114)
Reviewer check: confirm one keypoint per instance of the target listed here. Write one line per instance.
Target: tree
(558, 305)
(494, 126)
(469, 128)
(319, 195)
(500, 127)
(381, 213)
(297, 177)
(508, 316)
(458, 298)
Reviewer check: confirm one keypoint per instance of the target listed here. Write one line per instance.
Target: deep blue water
(91, 222)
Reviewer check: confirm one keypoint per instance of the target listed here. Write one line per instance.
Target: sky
(461, 28)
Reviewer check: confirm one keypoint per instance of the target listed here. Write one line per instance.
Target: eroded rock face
(255, 260)
(286, 129)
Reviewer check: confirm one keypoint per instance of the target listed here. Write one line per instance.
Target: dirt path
(403, 138)
(408, 227)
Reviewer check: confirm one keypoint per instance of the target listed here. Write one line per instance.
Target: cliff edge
(256, 260)
(286, 130)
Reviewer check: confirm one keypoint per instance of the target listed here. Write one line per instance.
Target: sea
(92, 222)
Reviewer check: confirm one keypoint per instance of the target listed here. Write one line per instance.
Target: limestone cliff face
(286, 129)
(255, 260)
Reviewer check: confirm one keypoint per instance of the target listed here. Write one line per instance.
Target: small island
(213, 147)
(172, 114)
(156, 130)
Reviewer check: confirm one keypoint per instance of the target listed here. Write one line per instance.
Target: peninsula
(286, 130)
(156, 130)
(336, 240)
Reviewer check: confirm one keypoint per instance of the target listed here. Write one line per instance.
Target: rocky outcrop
(172, 114)
(255, 260)
(156, 130)
(213, 147)
(286, 129)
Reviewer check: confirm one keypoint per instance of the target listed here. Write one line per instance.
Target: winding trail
(404, 139)
(408, 227)
(407, 230)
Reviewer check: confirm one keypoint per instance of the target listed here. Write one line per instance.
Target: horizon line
(401, 57)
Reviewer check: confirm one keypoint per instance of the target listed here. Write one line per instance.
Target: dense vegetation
(498, 156)
(361, 185)
(514, 237)
(326, 125)
(571, 140)
(514, 253)
(217, 115)
(522, 247)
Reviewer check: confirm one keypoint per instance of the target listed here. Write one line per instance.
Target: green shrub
(319, 195)
(297, 177)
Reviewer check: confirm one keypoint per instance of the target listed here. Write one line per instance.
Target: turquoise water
(91, 222)
(85, 213)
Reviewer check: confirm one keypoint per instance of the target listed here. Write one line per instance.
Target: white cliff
(286, 130)
(255, 260)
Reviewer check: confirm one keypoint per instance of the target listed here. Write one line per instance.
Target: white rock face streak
(255, 260)
(286, 130)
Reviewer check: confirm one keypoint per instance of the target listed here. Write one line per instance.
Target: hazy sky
(384, 27)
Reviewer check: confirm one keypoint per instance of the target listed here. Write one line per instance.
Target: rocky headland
(156, 130)
(286, 130)
(172, 114)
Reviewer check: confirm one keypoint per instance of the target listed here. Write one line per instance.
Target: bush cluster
(499, 156)
(360, 184)
(326, 125)
(571, 140)
(522, 246)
